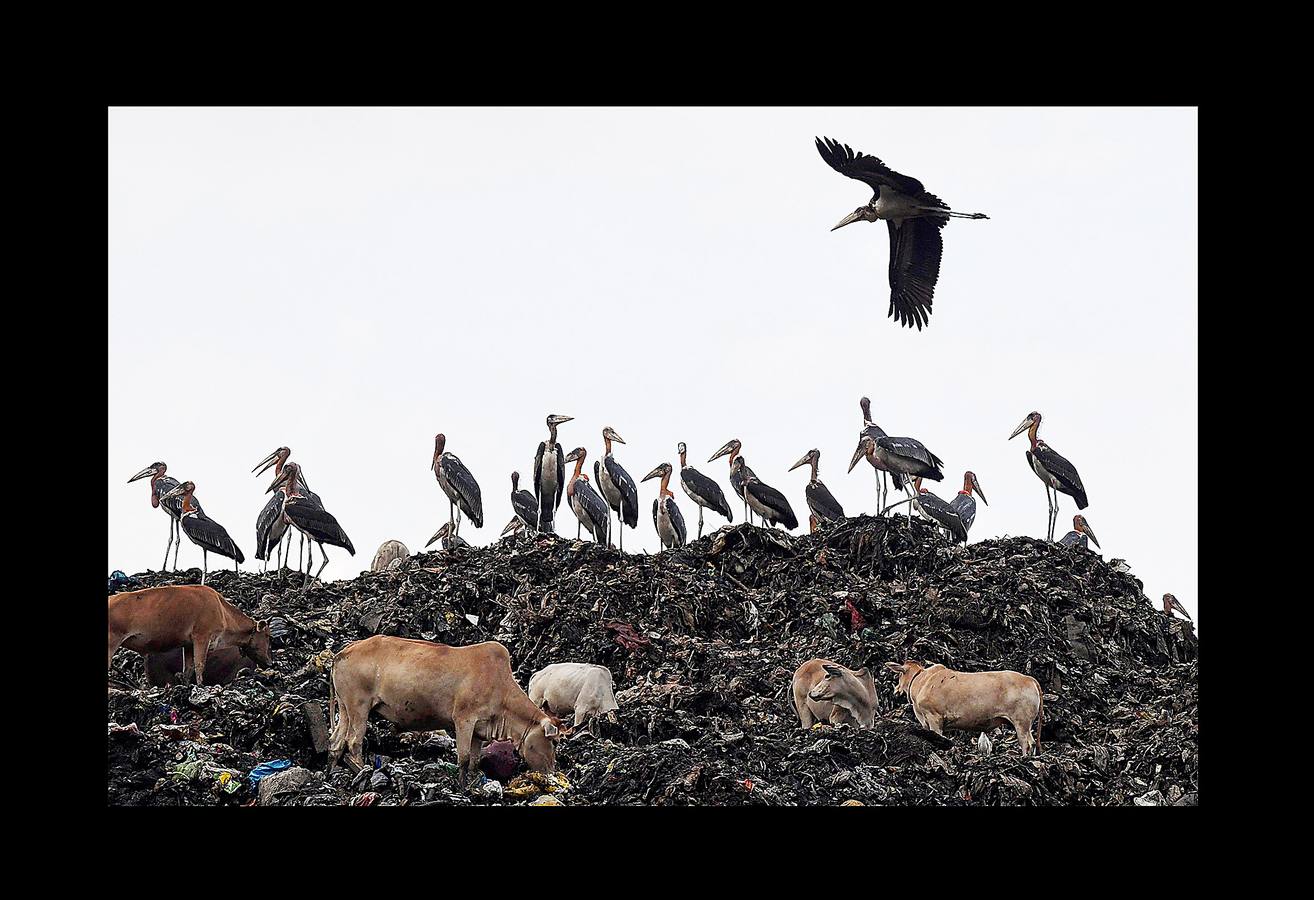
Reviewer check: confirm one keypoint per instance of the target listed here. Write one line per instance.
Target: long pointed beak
(976, 484)
(437, 534)
(1026, 423)
(655, 473)
(807, 458)
(617, 438)
(149, 470)
(847, 220)
(514, 525)
(266, 463)
(278, 482)
(720, 453)
(858, 454)
(1091, 534)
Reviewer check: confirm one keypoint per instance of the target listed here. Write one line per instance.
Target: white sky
(349, 282)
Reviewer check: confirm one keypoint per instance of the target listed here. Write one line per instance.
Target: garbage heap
(702, 643)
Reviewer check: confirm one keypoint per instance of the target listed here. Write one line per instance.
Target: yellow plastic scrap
(322, 660)
(519, 787)
(853, 803)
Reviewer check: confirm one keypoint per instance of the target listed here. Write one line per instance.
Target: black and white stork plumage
(904, 456)
(820, 500)
(307, 515)
(703, 491)
(1058, 475)
(1171, 603)
(874, 431)
(1081, 531)
(914, 216)
(550, 474)
(666, 515)
(458, 484)
(451, 540)
(202, 530)
(162, 484)
(616, 486)
(765, 500)
(738, 474)
(964, 503)
(524, 504)
(939, 511)
(586, 503)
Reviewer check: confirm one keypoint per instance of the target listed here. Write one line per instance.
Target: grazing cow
(579, 689)
(159, 619)
(942, 698)
(825, 691)
(387, 552)
(221, 666)
(423, 686)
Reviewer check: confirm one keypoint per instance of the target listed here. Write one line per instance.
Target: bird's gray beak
(858, 454)
(266, 463)
(849, 219)
(571, 456)
(514, 525)
(1026, 423)
(807, 458)
(722, 452)
(277, 482)
(617, 438)
(436, 536)
(1090, 534)
(655, 473)
(149, 470)
(176, 492)
(561, 420)
(977, 484)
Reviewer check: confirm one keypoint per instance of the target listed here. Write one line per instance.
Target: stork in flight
(914, 216)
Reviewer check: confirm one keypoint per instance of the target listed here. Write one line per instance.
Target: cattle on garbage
(943, 698)
(825, 691)
(583, 690)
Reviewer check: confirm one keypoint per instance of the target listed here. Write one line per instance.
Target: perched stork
(765, 500)
(617, 487)
(820, 500)
(202, 530)
(939, 511)
(458, 484)
(1081, 530)
(666, 516)
(162, 484)
(964, 503)
(703, 491)
(585, 502)
(549, 475)
(874, 431)
(271, 524)
(1170, 603)
(737, 474)
(914, 217)
(308, 516)
(451, 540)
(904, 456)
(1057, 473)
(516, 526)
(524, 504)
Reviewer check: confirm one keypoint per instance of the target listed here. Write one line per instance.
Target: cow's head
(906, 671)
(854, 691)
(539, 748)
(256, 645)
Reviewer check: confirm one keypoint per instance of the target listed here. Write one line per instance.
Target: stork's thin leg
(168, 546)
(577, 528)
(177, 544)
(203, 565)
(620, 524)
(700, 523)
(323, 553)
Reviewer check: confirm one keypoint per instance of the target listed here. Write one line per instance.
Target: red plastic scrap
(855, 618)
(626, 636)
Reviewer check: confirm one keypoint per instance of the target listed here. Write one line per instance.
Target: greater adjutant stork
(1081, 530)
(451, 540)
(1058, 475)
(550, 475)
(617, 487)
(1170, 603)
(307, 515)
(903, 456)
(458, 484)
(162, 484)
(914, 216)
(585, 502)
(202, 530)
(820, 500)
(964, 502)
(939, 511)
(524, 504)
(874, 431)
(271, 524)
(666, 516)
(737, 474)
(703, 491)
(763, 499)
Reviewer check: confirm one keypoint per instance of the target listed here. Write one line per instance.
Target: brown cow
(825, 691)
(222, 665)
(159, 619)
(942, 698)
(423, 686)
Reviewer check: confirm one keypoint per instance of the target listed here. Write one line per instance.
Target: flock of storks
(914, 217)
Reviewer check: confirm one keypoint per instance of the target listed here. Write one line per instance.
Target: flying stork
(703, 491)
(1057, 473)
(617, 487)
(202, 530)
(549, 475)
(1170, 603)
(458, 484)
(964, 503)
(162, 484)
(914, 216)
(451, 540)
(666, 515)
(737, 475)
(763, 499)
(820, 500)
(524, 504)
(307, 515)
(904, 456)
(585, 502)
(1081, 530)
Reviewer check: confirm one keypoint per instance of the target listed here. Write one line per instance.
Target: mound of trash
(701, 643)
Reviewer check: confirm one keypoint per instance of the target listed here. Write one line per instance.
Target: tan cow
(159, 619)
(942, 698)
(579, 689)
(825, 691)
(423, 686)
(222, 666)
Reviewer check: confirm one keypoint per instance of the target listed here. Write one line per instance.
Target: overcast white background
(349, 282)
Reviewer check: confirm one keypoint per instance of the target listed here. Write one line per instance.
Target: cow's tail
(1040, 715)
(332, 720)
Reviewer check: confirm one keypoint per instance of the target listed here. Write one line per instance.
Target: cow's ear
(833, 671)
(262, 625)
(862, 673)
(550, 729)
(894, 667)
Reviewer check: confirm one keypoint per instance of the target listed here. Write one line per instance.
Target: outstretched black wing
(915, 250)
(867, 169)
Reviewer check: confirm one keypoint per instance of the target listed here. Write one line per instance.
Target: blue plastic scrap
(266, 769)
